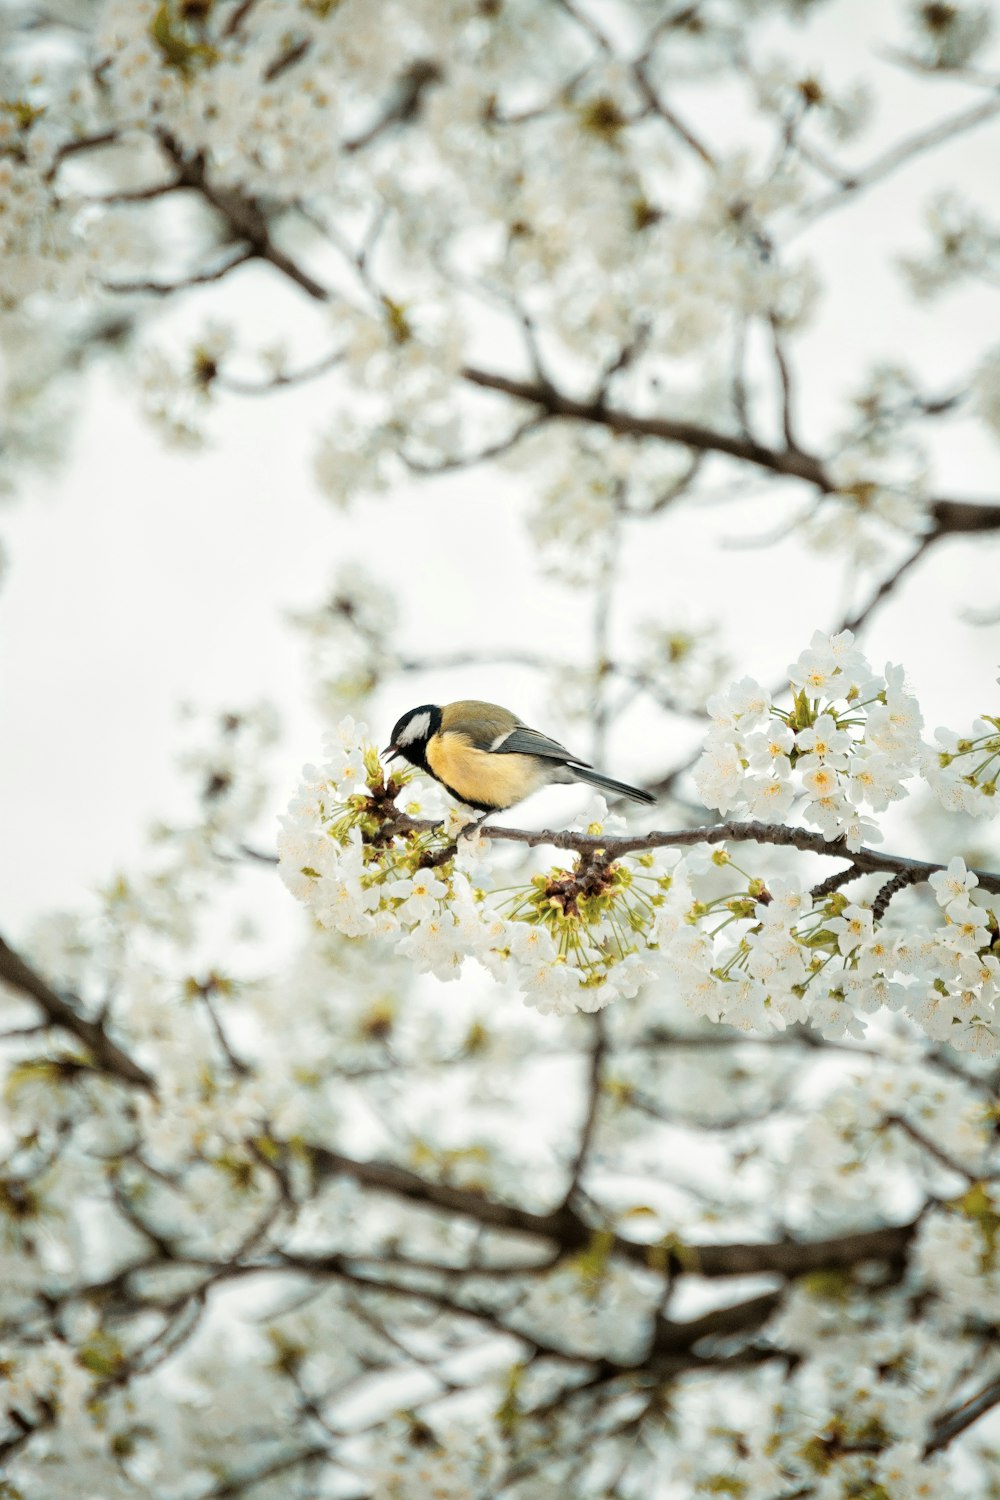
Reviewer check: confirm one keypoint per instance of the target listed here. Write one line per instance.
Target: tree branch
(107, 1056)
(564, 1226)
(721, 1322)
(866, 860)
(961, 516)
(690, 434)
(243, 215)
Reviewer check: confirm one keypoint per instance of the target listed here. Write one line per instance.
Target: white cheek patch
(417, 729)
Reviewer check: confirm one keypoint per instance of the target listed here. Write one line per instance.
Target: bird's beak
(391, 752)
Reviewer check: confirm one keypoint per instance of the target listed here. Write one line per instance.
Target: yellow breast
(478, 777)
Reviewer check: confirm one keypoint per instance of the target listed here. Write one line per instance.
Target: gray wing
(525, 741)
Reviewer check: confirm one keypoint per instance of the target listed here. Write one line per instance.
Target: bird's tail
(608, 784)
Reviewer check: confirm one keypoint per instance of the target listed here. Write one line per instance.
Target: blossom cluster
(962, 770)
(950, 36)
(845, 747)
(965, 246)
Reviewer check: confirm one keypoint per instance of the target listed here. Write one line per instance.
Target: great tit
(485, 757)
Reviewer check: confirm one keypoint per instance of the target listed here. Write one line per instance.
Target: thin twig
(598, 1052)
(134, 195)
(654, 103)
(953, 1423)
(168, 288)
(238, 16)
(236, 1484)
(931, 1147)
(852, 183)
(285, 378)
(673, 492)
(785, 379)
(83, 143)
(235, 1062)
(470, 460)
(890, 583)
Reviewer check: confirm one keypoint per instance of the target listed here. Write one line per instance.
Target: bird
(487, 758)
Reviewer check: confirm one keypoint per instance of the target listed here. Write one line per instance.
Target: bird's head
(411, 733)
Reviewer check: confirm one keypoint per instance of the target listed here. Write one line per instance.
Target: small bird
(485, 757)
